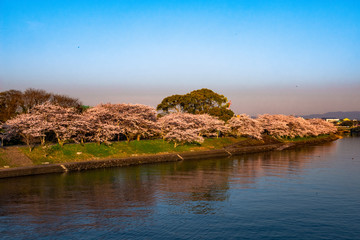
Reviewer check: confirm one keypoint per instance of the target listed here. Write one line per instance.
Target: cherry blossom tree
(57, 119)
(6, 133)
(101, 123)
(299, 127)
(290, 126)
(210, 126)
(135, 120)
(28, 126)
(81, 128)
(3, 135)
(322, 126)
(179, 136)
(243, 125)
(181, 128)
(275, 125)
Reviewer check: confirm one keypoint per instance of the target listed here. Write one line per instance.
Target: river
(306, 193)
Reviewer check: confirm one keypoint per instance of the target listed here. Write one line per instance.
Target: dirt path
(16, 158)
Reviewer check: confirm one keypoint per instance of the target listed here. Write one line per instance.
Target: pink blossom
(135, 120)
(243, 125)
(28, 126)
(56, 119)
(185, 127)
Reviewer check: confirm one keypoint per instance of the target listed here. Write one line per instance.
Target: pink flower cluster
(279, 126)
(105, 122)
(186, 127)
(99, 124)
(243, 125)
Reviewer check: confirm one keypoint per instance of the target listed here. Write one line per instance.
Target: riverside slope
(231, 150)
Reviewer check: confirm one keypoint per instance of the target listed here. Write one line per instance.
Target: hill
(340, 115)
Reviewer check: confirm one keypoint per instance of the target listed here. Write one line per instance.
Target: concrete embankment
(157, 158)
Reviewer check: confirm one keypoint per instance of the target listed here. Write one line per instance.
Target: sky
(287, 57)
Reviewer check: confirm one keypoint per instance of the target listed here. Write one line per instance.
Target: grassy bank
(305, 139)
(92, 151)
(89, 151)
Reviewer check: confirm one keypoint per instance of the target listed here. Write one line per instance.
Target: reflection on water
(274, 194)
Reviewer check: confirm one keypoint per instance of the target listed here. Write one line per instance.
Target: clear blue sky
(291, 57)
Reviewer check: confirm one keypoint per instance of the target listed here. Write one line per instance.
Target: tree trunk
(27, 141)
(61, 143)
(138, 137)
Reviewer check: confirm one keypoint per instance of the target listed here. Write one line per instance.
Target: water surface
(307, 193)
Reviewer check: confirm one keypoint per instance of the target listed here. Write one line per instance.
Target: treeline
(14, 102)
(202, 101)
(107, 122)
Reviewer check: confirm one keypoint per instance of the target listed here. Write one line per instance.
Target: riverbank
(223, 147)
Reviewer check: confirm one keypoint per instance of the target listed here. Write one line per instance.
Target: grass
(90, 151)
(304, 139)
(3, 160)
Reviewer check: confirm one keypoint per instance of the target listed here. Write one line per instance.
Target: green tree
(174, 103)
(222, 113)
(197, 102)
(347, 123)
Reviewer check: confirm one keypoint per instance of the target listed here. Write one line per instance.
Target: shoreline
(157, 158)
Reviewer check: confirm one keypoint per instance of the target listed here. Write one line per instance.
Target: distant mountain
(340, 115)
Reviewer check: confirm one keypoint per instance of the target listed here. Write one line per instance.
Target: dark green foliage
(222, 113)
(83, 108)
(201, 101)
(347, 123)
(175, 102)
(197, 102)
